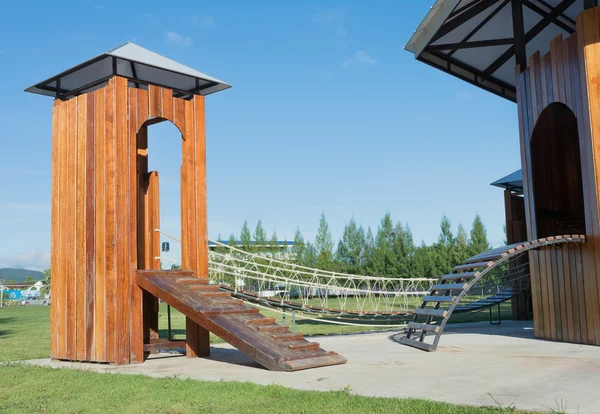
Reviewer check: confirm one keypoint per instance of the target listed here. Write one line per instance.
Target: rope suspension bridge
(484, 281)
(270, 280)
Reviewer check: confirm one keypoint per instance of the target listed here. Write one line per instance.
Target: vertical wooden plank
(179, 115)
(188, 222)
(543, 295)
(167, 103)
(581, 297)
(550, 298)
(152, 250)
(61, 276)
(188, 200)
(55, 310)
(142, 108)
(554, 59)
(559, 291)
(549, 78)
(201, 243)
(100, 252)
(155, 102)
(200, 172)
(71, 231)
(136, 334)
(110, 223)
(90, 222)
(80, 238)
(122, 220)
(568, 294)
(591, 53)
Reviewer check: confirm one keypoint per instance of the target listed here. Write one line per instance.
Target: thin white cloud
(35, 259)
(152, 19)
(360, 57)
(35, 207)
(178, 39)
(464, 95)
(332, 19)
(207, 22)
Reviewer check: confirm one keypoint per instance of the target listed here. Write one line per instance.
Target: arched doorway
(160, 186)
(556, 173)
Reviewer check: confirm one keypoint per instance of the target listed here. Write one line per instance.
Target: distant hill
(19, 275)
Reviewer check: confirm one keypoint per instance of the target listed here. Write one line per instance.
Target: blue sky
(327, 113)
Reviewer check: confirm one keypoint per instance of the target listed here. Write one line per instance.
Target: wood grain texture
(110, 222)
(122, 221)
(55, 230)
(80, 236)
(136, 334)
(105, 207)
(565, 282)
(70, 229)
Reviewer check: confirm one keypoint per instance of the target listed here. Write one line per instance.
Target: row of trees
(390, 252)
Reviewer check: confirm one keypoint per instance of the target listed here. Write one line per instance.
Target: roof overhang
(513, 182)
(480, 41)
(140, 66)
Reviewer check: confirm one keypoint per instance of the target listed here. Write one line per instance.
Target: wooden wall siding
(516, 231)
(104, 211)
(565, 283)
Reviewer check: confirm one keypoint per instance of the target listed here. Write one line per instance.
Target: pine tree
(410, 249)
(246, 237)
(461, 252)
(383, 261)
(350, 251)
(479, 242)
(444, 248)
(232, 241)
(324, 245)
(298, 247)
(367, 259)
(274, 243)
(309, 258)
(260, 236)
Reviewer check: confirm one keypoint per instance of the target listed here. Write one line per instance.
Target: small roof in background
(473, 39)
(512, 181)
(141, 66)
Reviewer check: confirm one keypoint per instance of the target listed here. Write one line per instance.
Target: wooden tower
(106, 278)
(105, 201)
(545, 56)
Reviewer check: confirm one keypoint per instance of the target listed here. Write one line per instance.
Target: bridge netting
(274, 280)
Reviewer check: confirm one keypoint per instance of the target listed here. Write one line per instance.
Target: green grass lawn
(35, 389)
(25, 334)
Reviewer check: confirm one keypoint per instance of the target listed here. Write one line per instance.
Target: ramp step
(424, 327)
(215, 294)
(191, 281)
(456, 276)
(432, 312)
(449, 286)
(229, 311)
(205, 287)
(304, 347)
(476, 265)
(327, 358)
(232, 301)
(415, 344)
(274, 328)
(261, 321)
(439, 298)
(288, 336)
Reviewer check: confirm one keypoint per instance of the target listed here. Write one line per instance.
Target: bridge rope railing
(309, 288)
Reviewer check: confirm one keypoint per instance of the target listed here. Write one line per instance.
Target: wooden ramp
(257, 336)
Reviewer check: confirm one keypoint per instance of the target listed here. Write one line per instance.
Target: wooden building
(545, 56)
